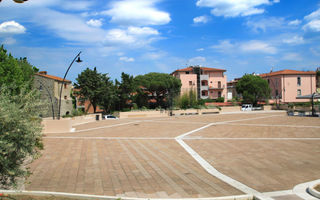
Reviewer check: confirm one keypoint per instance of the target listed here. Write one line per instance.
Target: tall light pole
(78, 60)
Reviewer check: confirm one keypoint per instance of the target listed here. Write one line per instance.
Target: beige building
(49, 87)
(209, 83)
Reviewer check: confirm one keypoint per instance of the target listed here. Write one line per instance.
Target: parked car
(246, 107)
(110, 117)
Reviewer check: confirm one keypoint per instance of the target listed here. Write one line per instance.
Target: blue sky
(141, 36)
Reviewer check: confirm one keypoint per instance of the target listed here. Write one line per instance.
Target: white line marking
(223, 122)
(110, 138)
(274, 125)
(211, 170)
(203, 138)
(109, 126)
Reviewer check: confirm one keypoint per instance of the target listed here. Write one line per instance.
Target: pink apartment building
(287, 85)
(209, 83)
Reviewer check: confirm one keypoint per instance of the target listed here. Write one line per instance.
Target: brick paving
(135, 168)
(263, 165)
(153, 165)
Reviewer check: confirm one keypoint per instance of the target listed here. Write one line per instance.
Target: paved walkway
(141, 158)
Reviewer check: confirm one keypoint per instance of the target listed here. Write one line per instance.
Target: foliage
(95, 87)
(253, 89)
(20, 135)
(189, 100)
(108, 95)
(15, 71)
(162, 87)
(220, 99)
(125, 89)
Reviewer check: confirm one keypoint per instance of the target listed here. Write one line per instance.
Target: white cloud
(8, 41)
(156, 55)
(95, 22)
(265, 23)
(313, 21)
(200, 49)
(199, 60)
(137, 13)
(313, 25)
(68, 26)
(295, 22)
(253, 46)
(258, 46)
(126, 59)
(76, 5)
(12, 27)
(292, 57)
(294, 40)
(142, 31)
(134, 36)
(201, 19)
(234, 8)
(224, 46)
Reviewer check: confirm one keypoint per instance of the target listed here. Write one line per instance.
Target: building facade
(49, 87)
(287, 85)
(208, 83)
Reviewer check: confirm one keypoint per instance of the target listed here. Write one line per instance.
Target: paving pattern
(141, 157)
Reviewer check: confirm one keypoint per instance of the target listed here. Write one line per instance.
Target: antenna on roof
(271, 69)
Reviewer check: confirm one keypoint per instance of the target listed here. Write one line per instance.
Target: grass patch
(33, 197)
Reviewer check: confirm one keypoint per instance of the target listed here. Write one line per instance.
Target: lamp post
(18, 1)
(49, 97)
(78, 60)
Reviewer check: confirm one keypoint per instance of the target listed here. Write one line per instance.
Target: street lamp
(49, 97)
(18, 1)
(78, 60)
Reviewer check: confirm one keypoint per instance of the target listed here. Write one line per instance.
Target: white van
(246, 107)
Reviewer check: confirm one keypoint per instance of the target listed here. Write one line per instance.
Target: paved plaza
(260, 153)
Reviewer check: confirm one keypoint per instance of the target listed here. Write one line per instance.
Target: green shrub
(135, 106)
(20, 136)
(220, 99)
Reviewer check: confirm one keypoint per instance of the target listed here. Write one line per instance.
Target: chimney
(43, 72)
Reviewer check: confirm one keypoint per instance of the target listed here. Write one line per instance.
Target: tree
(253, 89)
(108, 96)
(160, 86)
(90, 84)
(15, 71)
(125, 90)
(20, 135)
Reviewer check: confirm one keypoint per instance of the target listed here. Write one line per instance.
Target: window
(219, 84)
(277, 93)
(190, 82)
(187, 72)
(65, 86)
(299, 92)
(299, 81)
(219, 94)
(65, 97)
(40, 88)
(211, 92)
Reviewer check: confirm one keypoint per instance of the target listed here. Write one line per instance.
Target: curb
(89, 197)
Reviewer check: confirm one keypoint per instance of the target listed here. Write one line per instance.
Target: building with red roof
(209, 83)
(286, 85)
(49, 87)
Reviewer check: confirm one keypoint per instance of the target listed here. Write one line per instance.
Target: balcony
(216, 88)
(204, 77)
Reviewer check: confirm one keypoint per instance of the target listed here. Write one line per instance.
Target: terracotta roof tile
(53, 77)
(189, 69)
(288, 72)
